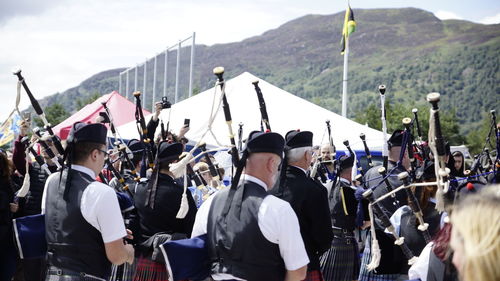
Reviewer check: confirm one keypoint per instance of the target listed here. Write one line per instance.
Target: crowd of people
(291, 211)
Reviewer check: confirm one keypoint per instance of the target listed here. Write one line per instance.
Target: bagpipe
(385, 149)
(262, 107)
(40, 113)
(437, 146)
(41, 140)
(142, 129)
(483, 167)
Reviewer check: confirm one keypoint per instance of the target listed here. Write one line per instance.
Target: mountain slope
(409, 50)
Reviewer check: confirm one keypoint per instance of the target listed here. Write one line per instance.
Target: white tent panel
(286, 112)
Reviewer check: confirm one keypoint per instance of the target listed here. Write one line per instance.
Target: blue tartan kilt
(341, 261)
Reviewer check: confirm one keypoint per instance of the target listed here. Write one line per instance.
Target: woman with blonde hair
(475, 237)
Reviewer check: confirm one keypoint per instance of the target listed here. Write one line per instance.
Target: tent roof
(286, 112)
(121, 109)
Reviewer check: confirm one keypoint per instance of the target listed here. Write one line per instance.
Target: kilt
(341, 261)
(124, 272)
(314, 275)
(364, 274)
(148, 270)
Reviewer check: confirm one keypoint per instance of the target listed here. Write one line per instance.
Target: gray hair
(295, 154)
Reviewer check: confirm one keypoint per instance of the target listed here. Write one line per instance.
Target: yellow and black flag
(349, 27)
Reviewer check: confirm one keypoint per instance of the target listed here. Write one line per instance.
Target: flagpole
(344, 81)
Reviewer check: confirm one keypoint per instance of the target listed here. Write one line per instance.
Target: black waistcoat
(72, 242)
(236, 244)
(338, 215)
(167, 203)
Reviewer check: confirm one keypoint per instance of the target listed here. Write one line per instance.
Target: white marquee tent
(286, 112)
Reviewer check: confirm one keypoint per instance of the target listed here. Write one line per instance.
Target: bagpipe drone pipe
(437, 146)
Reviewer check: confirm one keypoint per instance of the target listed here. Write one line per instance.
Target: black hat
(136, 146)
(396, 139)
(169, 151)
(296, 139)
(265, 142)
(346, 162)
(82, 132)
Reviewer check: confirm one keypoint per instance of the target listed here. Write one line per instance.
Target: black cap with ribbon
(167, 152)
(346, 162)
(296, 139)
(396, 138)
(81, 133)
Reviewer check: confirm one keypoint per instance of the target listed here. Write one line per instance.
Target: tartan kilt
(341, 261)
(314, 275)
(124, 272)
(364, 274)
(148, 270)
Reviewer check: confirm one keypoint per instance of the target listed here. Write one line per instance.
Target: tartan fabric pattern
(314, 275)
(124, 272)
(341, 261)
(148, 270)
(365, 275)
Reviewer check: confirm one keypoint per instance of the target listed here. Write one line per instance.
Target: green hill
(409, 50)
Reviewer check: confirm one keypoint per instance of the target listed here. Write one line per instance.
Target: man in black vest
(341, 261)
(84, 226)
(308, 199)
(253, 235)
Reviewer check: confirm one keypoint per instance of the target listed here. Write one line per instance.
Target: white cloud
(447, 15)
(491, 19)
(66, 44)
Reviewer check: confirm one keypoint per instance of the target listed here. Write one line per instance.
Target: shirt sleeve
(279, 224)
(200, 223)
(421, 267)
(99, 206)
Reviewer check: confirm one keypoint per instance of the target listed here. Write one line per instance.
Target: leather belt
(66, 272)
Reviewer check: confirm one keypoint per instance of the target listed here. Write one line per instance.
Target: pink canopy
(121, 109)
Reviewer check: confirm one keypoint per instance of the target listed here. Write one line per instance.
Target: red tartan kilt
(314, 275)
(150, 270)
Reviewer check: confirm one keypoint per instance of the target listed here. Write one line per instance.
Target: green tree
(54, 113)
(80, 103)
(395, 114)
(476, 139)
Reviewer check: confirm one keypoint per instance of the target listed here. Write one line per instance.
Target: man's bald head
(264, 166)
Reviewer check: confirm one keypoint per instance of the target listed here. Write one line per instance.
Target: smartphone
(186, 122)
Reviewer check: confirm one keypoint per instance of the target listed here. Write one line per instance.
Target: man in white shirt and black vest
(84, 226)
(253, 235)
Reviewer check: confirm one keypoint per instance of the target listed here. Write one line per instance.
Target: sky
(59, 43)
